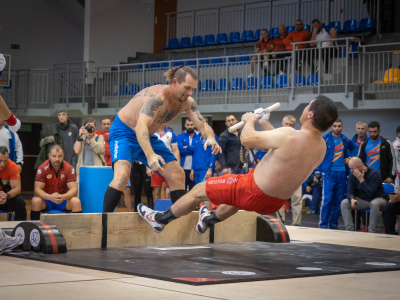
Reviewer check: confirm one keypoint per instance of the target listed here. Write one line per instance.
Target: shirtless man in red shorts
(292, 157)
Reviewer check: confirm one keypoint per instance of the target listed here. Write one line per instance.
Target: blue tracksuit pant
(333, 192)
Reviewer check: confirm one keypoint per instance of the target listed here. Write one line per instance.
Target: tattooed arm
(146, 118)
(206, 131)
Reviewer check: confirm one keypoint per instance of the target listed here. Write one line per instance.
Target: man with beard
(105, 132)
(55, 186)
(334, 172)
(186, 151)
(377, 153)
(132, 133)
(64, 134)
(230, 144)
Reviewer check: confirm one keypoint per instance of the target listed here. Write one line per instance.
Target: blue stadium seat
(172, 44)
(208, 85)
(234, 37)
(366, 24)
(203, 62)
(248, 36)
(281, 81)
(185, 42)
(257, 35)
(216, 60)
(231, 59)
(153, 66)
(222, 38)
(335, 24)
(299, 80)
(221, 84)
(209, 40)
(237, 84)
(122, 89)
(289, 29)
(266, 82)
(177, 63)
(242, 58)
(307, 27)
(251, 83)
(388, 187)
(132, 89)
(272, 32)
(190, 63)
(312, 79)
(164, 65)
(349, 26)
(139, 67)
(198, 86)
(197, 41)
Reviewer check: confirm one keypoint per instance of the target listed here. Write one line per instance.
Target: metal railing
(267, 14)
(73, 82)
(346, 67)
(380, 68)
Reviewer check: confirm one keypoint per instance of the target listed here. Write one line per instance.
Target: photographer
(89, 146)
(314, 187)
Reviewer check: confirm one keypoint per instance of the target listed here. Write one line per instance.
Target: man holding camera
(89, 146)
(365, 191)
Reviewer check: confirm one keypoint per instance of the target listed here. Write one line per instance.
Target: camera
(89, 128)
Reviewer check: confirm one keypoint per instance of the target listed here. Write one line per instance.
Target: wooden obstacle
(83, 231)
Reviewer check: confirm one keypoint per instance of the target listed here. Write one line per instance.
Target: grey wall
(47, 31)
(119, 29)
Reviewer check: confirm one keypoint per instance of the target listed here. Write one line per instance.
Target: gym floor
(27, 279)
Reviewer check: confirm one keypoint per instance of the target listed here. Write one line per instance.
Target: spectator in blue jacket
(203, 161)
(334, 174)
(186, 149)
(365, 191)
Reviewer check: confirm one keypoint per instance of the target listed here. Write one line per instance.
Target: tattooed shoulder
(151, 105)
(196, 111)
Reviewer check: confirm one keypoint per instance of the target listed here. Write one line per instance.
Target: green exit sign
(14, 46)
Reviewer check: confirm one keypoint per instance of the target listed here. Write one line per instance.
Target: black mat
(228, 262)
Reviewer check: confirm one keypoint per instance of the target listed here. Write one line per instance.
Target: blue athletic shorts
(125, 146)
(53, 206)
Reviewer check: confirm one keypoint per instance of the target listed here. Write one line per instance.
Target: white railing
(346, 67)
(267, 14)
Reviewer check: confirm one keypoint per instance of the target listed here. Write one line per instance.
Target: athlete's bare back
(292, 156)
(282, 170)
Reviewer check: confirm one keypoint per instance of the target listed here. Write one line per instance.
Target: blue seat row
(366, 24)
(266, 82)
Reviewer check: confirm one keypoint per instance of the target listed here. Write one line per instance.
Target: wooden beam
(83, 231)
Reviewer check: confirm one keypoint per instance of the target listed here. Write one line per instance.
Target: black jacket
(388, 167)
(230, 144)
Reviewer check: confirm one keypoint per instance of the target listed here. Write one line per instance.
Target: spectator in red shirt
(299, 35)
(264, 45)
(105, 132)
(279, 46)
(55, 186)
(10, 187)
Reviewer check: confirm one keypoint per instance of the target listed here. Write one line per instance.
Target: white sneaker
(250, 75)
(7, 242)
(203, 212)
(148, 214)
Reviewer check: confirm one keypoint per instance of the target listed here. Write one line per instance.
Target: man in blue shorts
(55, 186)
(132, 133)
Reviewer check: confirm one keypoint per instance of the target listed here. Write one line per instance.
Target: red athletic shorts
(157, 179)
(242, 192)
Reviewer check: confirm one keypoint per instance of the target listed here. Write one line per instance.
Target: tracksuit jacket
(183, 140)
(387, 161)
